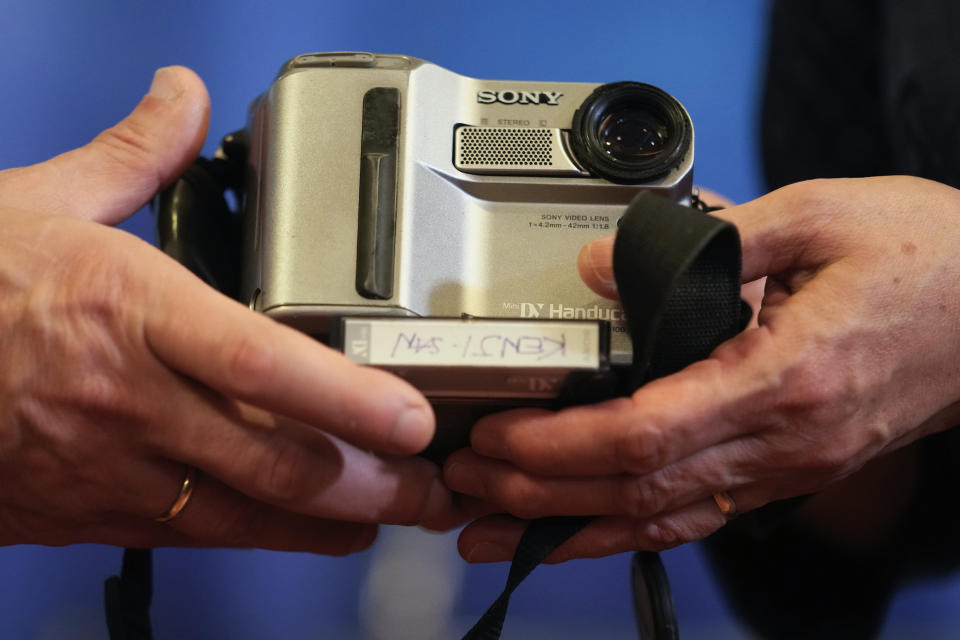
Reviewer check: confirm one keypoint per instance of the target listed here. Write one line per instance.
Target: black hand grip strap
(678, 275)
(196, 226)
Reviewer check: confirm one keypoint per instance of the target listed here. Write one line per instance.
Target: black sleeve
(822, 110)
(862, 88)
(791, 584)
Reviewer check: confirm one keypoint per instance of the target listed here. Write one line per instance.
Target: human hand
(857, 354)
(119, 369)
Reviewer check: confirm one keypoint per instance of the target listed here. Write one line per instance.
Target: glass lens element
(632, 134)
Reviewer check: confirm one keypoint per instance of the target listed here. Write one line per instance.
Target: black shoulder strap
(678, 275)
(128, 597)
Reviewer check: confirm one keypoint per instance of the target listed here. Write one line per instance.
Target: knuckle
(639, 449)
(103, 395)
(818, 198)
(532, 455)
(827, 463)
(641, 496)
(90, 414)
(131, 148)
(815, 400)
(249, 363)
(812, 389)
(284, 475)
(101, 391)
(109, 283)
(521, 496)
(661, 534)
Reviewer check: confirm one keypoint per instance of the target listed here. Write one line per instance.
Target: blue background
(71, 69)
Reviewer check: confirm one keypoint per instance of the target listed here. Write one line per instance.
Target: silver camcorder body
(382, 187)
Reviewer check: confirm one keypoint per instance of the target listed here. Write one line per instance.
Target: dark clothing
(862, 88)
(859, 88)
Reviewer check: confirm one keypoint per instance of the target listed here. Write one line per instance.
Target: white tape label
(480, 343)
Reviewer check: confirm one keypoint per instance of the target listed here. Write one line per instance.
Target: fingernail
(487, 552)
(413, 429)
(464, 479)
(165, 85)
(597, 254)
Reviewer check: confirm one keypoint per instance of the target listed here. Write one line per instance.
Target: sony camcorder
(429, 223)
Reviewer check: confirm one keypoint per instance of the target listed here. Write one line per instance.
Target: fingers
(777, 230)
(529, 496)
(219, 516)
(123, 167)
(214, 516)
(495, 538)
(463, 510)
(295, 466)
(663, 422)
(114, 528)
(249, 357)
(342, 482)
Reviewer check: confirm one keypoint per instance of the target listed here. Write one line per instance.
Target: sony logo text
(488, 96)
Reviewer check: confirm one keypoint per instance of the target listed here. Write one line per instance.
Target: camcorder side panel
(307, 225)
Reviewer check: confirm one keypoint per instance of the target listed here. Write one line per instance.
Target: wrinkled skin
(118, 369)
(855, 354)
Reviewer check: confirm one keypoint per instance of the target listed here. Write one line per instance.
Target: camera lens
(629, 132)
(632, 134)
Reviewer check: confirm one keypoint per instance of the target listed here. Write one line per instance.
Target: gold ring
(186, 490)
(726, 504)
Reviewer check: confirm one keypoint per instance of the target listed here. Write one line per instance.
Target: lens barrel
(630, 132)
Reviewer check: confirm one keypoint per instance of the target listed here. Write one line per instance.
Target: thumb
(595, 264)
(123, 167)
(779, 230)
